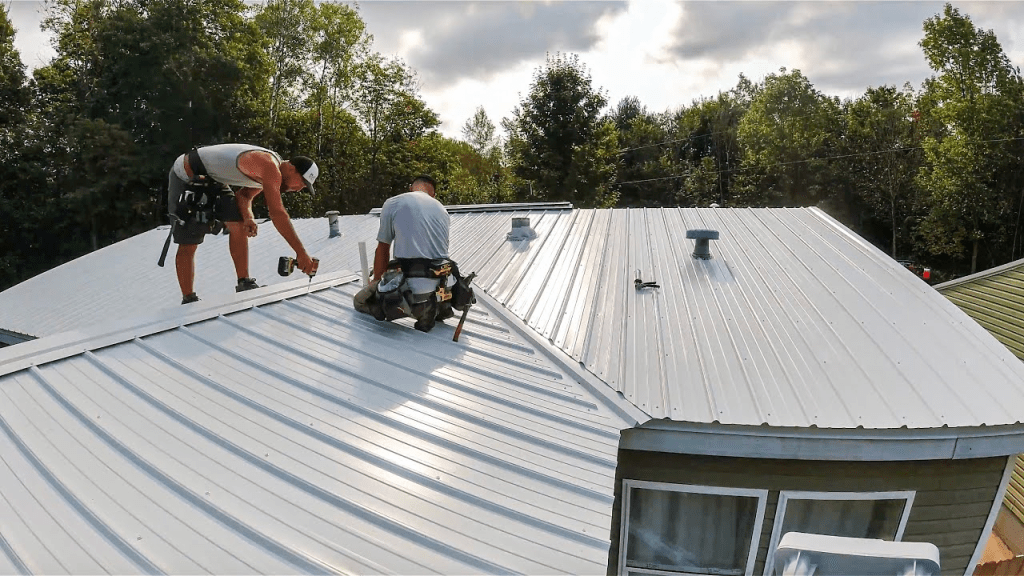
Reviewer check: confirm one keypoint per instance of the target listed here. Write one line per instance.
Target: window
(680, 529)
(881, 515)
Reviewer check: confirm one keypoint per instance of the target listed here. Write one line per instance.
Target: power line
(874, 152)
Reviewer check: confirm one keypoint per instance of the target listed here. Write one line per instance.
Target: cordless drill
(286, 265)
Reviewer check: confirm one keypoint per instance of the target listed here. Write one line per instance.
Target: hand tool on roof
(465, 311)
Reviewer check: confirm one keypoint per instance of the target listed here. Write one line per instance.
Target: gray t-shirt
(416, 226)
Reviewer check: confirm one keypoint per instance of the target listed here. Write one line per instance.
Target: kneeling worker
(419, 282)
(214, 186)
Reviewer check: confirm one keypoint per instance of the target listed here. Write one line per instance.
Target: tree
(285, 24)
(705, 148)
(883, 137)
(642, 167)
(341, 46)
(393, 116)
(479, 132)
(784, 134)
(14, 104)
(967, 100)
(555, 131)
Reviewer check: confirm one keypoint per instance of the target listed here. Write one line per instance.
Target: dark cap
(307, 169)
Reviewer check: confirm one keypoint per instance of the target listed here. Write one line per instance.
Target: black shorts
(226, 210)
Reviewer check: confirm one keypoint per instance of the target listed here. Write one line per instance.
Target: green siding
(952, 502)
(995, 300)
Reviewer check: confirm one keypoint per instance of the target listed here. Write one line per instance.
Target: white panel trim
(762, 502)
(996, 503)
(786, 495)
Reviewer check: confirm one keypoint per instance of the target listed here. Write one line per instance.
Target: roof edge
(11, 337)
(625, 409)
(851, 444)
(60, 346)
(980, 275)
(509, 207)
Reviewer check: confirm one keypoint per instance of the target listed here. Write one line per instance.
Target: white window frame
(786, 495)
(627, 485)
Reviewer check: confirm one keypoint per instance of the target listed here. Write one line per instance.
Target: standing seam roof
(285, 438)
(795, 321)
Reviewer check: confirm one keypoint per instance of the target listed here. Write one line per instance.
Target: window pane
(687, 532)
(851, 518)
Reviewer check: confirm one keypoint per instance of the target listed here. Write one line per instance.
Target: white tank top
(221, 161)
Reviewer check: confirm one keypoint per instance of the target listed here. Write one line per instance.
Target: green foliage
(783, 134)
(479, 132)
(555, 132)
(937, 174)
(885, 122)
(968, 203)
(705, 148)
(642, 157)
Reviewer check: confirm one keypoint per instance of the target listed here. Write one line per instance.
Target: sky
(667, 53)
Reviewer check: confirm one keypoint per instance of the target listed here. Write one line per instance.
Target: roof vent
(521, 230)
(332, 221)
(702, 246)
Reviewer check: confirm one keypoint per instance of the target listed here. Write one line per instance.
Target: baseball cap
(307, 169)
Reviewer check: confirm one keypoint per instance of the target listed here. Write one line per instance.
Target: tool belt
(459, 295)
(436, 268)
(199, 200)
(395, 294)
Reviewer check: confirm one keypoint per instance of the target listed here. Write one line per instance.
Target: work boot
(190, 298)
(246, 284)
(445, 312)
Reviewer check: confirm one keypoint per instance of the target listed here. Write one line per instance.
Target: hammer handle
(458, 329)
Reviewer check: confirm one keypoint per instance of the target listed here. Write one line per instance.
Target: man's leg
(365, 301)
(238, 244)
(185, 265)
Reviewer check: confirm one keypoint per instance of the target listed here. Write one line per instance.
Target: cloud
(32, 43)
(841, 46)
(447, 41)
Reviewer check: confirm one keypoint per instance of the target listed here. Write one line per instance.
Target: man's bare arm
(380, 260)
(264, 169)
(243, 198)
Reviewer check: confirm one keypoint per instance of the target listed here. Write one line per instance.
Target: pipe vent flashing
(702, 246)
(332, 221)
(521, 230)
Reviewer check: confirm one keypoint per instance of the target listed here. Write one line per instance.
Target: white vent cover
(802, 554)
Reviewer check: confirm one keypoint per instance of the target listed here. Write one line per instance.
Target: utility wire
(874, 152)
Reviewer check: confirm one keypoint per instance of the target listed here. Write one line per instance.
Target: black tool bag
(462, 293)
(199, 200)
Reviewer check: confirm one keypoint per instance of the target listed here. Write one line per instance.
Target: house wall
(1010, 524)
(1010, 530)
(952, 504)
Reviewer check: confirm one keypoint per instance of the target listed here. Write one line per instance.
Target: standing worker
(216, 184)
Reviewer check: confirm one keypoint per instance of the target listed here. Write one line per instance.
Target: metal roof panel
(285, 438)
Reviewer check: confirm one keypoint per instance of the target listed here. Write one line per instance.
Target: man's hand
(305, 263)
(250, 227)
